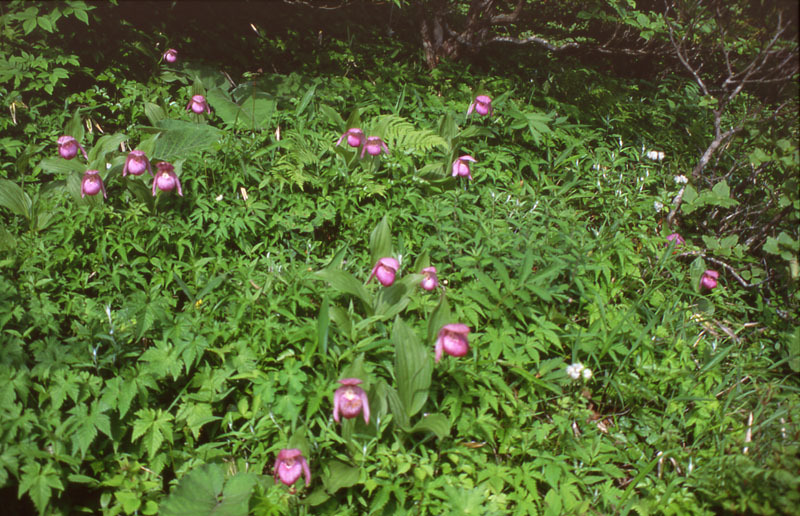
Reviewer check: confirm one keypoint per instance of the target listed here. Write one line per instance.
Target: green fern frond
(402, 135)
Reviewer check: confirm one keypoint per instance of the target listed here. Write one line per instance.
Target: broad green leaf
(154, 113)
(179, 139)
(333, 117)
(306, 100)
(436, 423)
(380, 241)
(393, 300)
(258, 111)
(345, 282)
(15, 199)
(104, 145)
(323, 321)
(340, 475)
(423, 260)
(74, 127)
(439, 317)
(413, 368)
(396, 406)
(7, 240)
(205, 492)
(447, 127)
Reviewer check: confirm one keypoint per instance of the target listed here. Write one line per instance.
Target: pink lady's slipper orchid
(68, 148)
(675, 237)
(461, 166)
(350, 400)
(198, 105)
(91, 184)
(709, 279)
(374, 146)
(385, 270)
(481, 105)
(452, 340)
(166, 179)
(171, 55)
(355, 137)
(136, 164)
(289, 465)
(430, 281)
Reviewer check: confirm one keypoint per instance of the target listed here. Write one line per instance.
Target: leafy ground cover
(160, 349)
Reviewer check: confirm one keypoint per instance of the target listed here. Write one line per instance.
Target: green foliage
(156, 354)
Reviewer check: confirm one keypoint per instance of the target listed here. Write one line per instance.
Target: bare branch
(534, 39)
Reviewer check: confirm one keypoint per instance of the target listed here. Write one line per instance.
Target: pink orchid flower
(136, 163)
(481, 105)
(430, 281)
(92, 184)
(350, 400)
(198, 105)
(374, 146)
(461, 166)
(452, 340)
(289, 465)
(68, 148)
(355, 137)
(709, 279)
(166, 179)
(385, 270)
(171, 55)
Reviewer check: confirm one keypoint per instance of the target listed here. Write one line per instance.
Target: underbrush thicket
(158, 351)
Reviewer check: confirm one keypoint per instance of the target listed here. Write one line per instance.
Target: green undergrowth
(158, 352)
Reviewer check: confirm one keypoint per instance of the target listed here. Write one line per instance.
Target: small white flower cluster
(681, 180)
(658, 206)
(655, 155)
(576, 370)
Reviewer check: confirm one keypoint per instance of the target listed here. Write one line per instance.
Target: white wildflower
(681, 180)
(587, 373)
(658, 206)
(574, 370)
(655, 155)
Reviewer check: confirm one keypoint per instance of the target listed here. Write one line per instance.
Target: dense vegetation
(159, 349)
